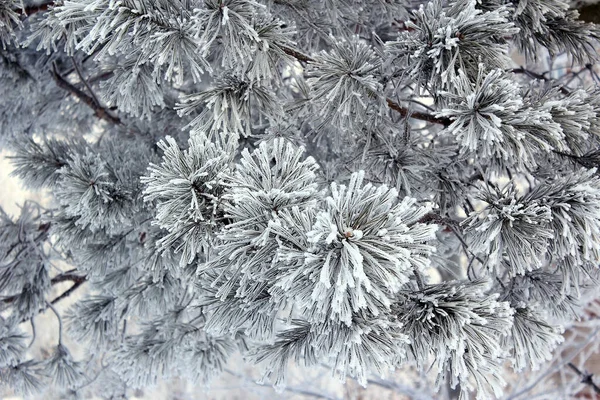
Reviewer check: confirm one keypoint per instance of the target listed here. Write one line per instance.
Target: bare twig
(297, 55)
(418, 278)
(67, 276)
(412, 393)
(540, 77)
(555, 367)
(84, 81)
(586, 378)
(60, 326)
(99, 111)
(77, 281)
(33, 332)
(36, 8)
(405, 112)
(304, 392)
(588, 160)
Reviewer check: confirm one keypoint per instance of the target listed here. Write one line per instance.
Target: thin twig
(26, 11)
(84, 81)
(297, 55)
(67, 276)
(405, 112)
(60, 327)
(586, 378)
(540, 77)
(304, 392)
(418, 278)
(32, 332)
(464, 244)
(412, 393)
(99, 111)
(556, 367)
(68, 292)
(77, 280)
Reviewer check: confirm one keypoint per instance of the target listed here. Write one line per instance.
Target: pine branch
(77, 280)
(99, 111)
(417, 115)
(33, 9)
(553, 368)
(297, 55)
(586, 378)
(68, 276)
(418, 278)
(540, 77)
(406, 113)
(84, 81)
(588, 160)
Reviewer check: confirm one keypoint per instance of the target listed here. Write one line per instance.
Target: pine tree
(357, 185)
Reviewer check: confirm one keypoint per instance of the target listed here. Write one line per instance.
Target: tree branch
(588, 160)
(540, 77)
(417, 114)
(72, 276)
(67, 276)
(556, 367)
(586, 378)
(297, 55)
(77, 282)
(412, 393)
(26, 11)
(406, 113)
(99, 111)
(305, 392)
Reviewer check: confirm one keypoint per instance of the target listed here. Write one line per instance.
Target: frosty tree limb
(301, 391)
(553, 368)
(306, 240)
(541, 77)
(29, 10)
(77, 280)
(99, 111)
(405, 390)
(417, 114)
(404, 112)
(586, 378)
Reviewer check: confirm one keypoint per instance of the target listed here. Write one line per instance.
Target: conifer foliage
(360, 185)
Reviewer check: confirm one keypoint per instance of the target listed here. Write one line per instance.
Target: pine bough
(263, 178)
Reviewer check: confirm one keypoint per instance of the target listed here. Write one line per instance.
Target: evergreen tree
(363, 185)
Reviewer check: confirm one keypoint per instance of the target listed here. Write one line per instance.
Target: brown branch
(67, 276)
(297, 55)
(540, 77)
(588, 160)
(454, 227)
(84, 81)
(417, 114)
(406, 113)
(99, 111)
(35, 8)
(586, 378)
(76, 283)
